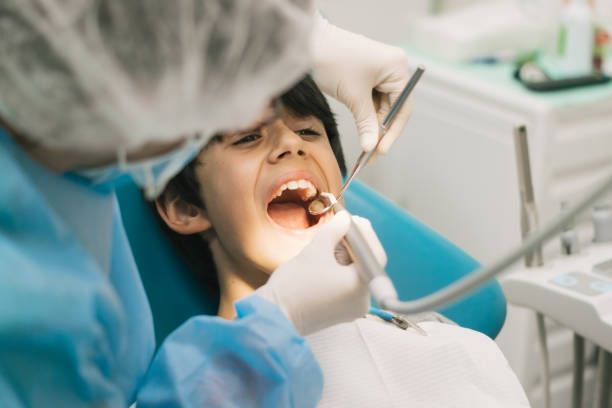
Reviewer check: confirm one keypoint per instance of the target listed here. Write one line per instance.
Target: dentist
(96, 92)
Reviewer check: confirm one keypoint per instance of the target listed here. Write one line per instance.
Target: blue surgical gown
(75, 324)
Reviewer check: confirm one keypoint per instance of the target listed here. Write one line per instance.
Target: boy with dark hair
(244, 200)
(303, 100)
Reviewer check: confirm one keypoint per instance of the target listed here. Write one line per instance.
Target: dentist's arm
(260, 359)
(365, 75)
(255, 360)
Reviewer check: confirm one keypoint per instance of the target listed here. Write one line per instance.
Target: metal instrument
(322, 204)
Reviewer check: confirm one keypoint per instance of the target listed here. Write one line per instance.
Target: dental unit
(574, 289)
(534, 236)
(386, 296)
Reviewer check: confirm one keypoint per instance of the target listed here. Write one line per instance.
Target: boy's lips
(288, 198)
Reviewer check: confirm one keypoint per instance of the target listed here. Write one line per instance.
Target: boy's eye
(307, 132)
(247, 139)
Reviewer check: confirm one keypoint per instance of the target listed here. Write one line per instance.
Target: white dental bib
(373, 363)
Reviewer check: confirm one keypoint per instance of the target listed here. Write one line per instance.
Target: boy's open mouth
(289, 205)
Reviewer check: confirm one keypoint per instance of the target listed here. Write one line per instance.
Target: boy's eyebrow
(252, 129)
(220, 137)
(217, 138)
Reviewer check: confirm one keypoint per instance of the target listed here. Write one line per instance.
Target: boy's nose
(286, 143)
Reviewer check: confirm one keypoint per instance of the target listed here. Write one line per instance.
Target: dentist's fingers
(333, 231)
(367, 124)
(394, 131)
(383, 107)
(361, 73)
(313, 289)
(365, 226)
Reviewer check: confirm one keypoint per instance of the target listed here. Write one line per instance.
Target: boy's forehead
(269, 115)
(273, 111)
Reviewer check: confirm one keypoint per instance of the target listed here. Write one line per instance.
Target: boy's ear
(183, 217)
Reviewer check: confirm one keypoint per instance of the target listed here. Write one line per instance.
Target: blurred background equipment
(454, 167)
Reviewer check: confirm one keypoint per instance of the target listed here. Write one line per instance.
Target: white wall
(383, 20)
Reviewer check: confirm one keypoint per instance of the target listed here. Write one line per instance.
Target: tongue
(289, 215)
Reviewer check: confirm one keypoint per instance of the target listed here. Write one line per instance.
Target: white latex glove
(313, 289)
(365, 75)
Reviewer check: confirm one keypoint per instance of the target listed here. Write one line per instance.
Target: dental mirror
(324, 203)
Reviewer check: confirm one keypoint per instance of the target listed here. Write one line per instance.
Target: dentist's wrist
(268, 293)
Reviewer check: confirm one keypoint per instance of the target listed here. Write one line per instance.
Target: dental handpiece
(380, 285)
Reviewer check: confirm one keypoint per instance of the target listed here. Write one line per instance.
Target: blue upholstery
(174, 294)
(420, 261)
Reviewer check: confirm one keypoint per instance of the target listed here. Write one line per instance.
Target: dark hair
(304, 99)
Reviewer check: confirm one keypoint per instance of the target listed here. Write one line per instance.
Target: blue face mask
(150, 174)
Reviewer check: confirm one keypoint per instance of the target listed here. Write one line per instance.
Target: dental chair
(420, 261)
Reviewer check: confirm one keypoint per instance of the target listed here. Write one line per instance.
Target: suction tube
(472, 281)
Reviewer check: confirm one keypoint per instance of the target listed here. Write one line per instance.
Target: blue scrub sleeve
(256, 360)
(62, 325)
(59, 332)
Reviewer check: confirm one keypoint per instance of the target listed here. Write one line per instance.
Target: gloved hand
(313, 289)
(365, 75)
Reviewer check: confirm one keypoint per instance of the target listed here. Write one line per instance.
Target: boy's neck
(232, 289)
(234, 282)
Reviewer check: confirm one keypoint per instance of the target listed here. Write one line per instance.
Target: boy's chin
(285, 255)
(282, 247)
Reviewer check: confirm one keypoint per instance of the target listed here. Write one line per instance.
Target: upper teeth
(308, 189)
